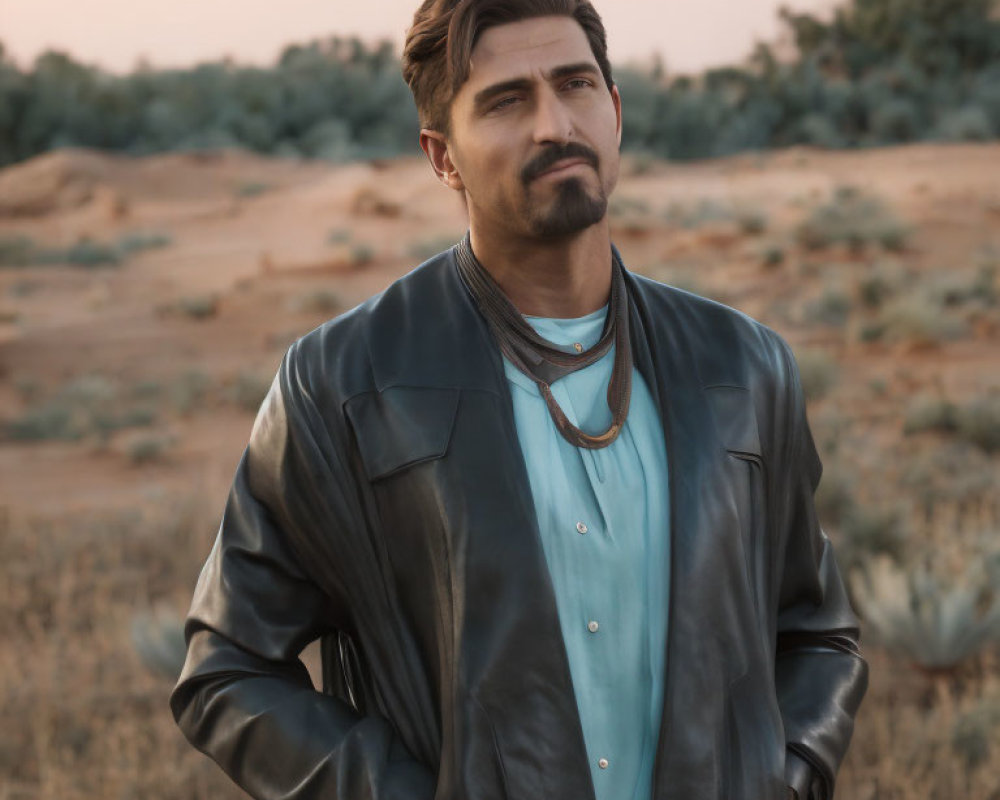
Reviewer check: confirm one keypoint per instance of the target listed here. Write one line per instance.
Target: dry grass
(897, 351)
(82, 716)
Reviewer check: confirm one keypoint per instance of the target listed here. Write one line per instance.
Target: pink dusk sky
(688, 34)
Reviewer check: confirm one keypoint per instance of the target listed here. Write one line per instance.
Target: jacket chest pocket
(736, 426)
(403, 435)
(401, 426)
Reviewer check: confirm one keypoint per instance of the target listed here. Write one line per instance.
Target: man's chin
(571, 211)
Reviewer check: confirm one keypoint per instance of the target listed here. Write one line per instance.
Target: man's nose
(553, 122)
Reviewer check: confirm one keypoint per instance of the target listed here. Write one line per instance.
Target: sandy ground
(261, 235)
(160, 362)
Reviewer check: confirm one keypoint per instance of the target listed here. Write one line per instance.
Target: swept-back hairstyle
(444, 33)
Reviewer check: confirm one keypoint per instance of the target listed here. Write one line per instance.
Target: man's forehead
(519, 49)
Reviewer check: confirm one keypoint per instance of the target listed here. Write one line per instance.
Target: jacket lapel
(513, 684)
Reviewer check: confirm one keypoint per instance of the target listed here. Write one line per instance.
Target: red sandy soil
(261, 248)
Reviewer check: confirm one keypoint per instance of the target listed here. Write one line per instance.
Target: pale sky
(689, 34)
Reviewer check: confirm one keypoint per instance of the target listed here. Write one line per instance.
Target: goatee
(572, 210)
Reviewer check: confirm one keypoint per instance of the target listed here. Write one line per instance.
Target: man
(552, 521)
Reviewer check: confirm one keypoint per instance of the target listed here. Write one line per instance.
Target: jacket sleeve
(244, 698)
(820, 675)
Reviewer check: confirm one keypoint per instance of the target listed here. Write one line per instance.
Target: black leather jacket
(383, 505)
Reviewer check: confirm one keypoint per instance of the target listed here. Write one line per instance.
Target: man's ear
(616, 98)
(435, 145)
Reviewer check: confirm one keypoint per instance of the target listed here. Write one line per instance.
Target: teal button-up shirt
(603, 517)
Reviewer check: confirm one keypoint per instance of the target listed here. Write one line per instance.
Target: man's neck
(563, 279)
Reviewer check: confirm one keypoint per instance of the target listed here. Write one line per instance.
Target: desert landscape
(145, 304)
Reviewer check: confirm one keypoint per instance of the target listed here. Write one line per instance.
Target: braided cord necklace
(544, 363)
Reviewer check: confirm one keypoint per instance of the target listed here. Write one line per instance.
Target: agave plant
(934, 624)
(158, 638)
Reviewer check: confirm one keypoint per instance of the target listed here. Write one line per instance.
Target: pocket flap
(735, 418)
(402, 426)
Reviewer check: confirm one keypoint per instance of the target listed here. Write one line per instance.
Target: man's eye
(506, 102)
(578, 83)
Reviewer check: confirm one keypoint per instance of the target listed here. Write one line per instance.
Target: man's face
(535, 132)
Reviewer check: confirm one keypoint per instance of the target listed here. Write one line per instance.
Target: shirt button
(592, 626)
(603, 763)
(581, 528)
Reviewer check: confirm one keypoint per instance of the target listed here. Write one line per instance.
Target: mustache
(553, 155)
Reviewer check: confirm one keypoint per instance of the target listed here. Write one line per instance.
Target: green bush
(919, 319)
(249, 389)
(320, 301)
(934, 624)
(16, 251)
(854, 219)
(198, 307)
(833, 307)
(979, 423)
(430, 247)
(137, 241)
(926, 413)
(818, 372)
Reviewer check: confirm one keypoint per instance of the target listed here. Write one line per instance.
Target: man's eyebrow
(573, 69)
(519, 84)
(482, 97)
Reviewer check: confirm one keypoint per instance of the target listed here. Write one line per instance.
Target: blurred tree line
(879, 72)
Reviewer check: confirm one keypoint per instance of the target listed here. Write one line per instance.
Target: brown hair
(444, 33)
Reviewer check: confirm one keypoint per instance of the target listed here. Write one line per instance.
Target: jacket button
(592, 626)
(603, 763)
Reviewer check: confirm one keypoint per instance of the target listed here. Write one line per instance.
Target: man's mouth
(559, 159)
(564, 166)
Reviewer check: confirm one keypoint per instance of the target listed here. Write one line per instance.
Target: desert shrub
(984, 287)
(835, 495)
(21, 251)
(854, 219)
(137, 241)
(975, 733)
(925, 413)
(248, 390)
(935, 624)
(919, 319)
(158, 639)
(198, 307)
(424, 249)
(88, 253)
(189, 390)
(148, 449)
(869, 531)
(320, 301)
(752, 222)
(966, 124)
(952, 472)
(818, 130)
(16, 251)
(832, 307)
(875, 288)
(90, 405)
(979, 423)
(338, 236)
(896, 120)
(250, 189)
(818, 373)
(50, 422)
(362, 255)
(705, 212)
(773, 255)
